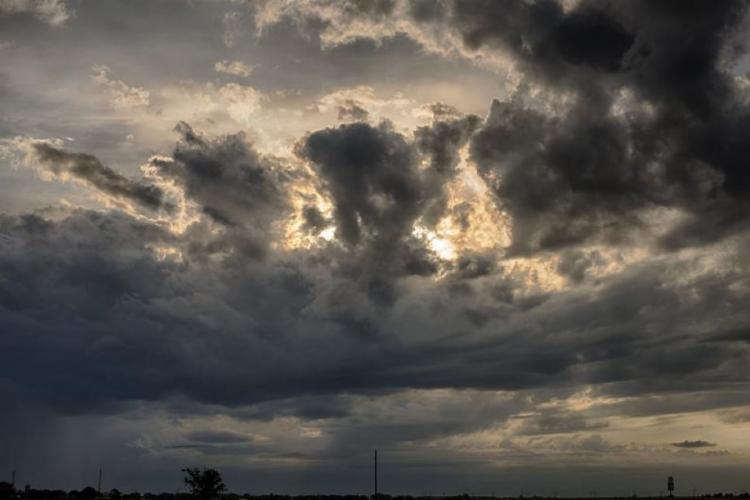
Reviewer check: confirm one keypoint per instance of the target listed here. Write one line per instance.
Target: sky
(505, 243)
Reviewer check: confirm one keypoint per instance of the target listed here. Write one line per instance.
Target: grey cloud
(378, 194)
(441, 110)
(541, 33)
(306, 408)
(226, 176)
(559, 422)
(314, 219)
(590, 172)
(54, 12)
(371, 174)
(593, 443)
(574, 264)
(352, 110)
(109, 280)
(565, 181)
(232, 184)
(427, 10)
(441, 143)
(89, 169)
(473, 266)
(694, 444)
(372, 177)
(581, 162)
(216, 437)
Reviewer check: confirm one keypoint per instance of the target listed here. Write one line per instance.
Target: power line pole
(376, 474)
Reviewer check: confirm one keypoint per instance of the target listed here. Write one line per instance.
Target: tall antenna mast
(376, 474)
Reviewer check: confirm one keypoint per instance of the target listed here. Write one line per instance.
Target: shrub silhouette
(88, 493)
(7, 492)
(204, 484)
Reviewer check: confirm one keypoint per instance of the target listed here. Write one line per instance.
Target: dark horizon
(58, 494)
(654, 487)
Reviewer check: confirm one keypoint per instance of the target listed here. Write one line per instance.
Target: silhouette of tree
(88, 493)
(7, 491)
(204, 484)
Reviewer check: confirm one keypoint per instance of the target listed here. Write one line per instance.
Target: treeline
(89, 493)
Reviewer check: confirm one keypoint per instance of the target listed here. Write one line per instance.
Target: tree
(7, 491)
(204, 484)
(88, 493)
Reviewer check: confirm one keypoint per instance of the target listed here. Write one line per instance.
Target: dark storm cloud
(372, 176)
(440, 143)
(442, 140)
(216, 437)
(111, 324)
(589, 173)
(314, 219)
(592, 170)
(126, 313)
(233, 184)
(103, 313)
(565, 180)
(97, 262)
(90, 170)
(379, 192)
(543, 36)
(694, 444)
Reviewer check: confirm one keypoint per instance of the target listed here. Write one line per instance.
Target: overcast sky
(506, 243)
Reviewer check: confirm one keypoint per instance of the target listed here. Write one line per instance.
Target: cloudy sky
(506, 243)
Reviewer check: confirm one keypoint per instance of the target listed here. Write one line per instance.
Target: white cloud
(365, 96)
(236, 68)
(241, 101)
(122, 94)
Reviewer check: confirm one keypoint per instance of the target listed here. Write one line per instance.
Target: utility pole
(376, 474)
(99, 487)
